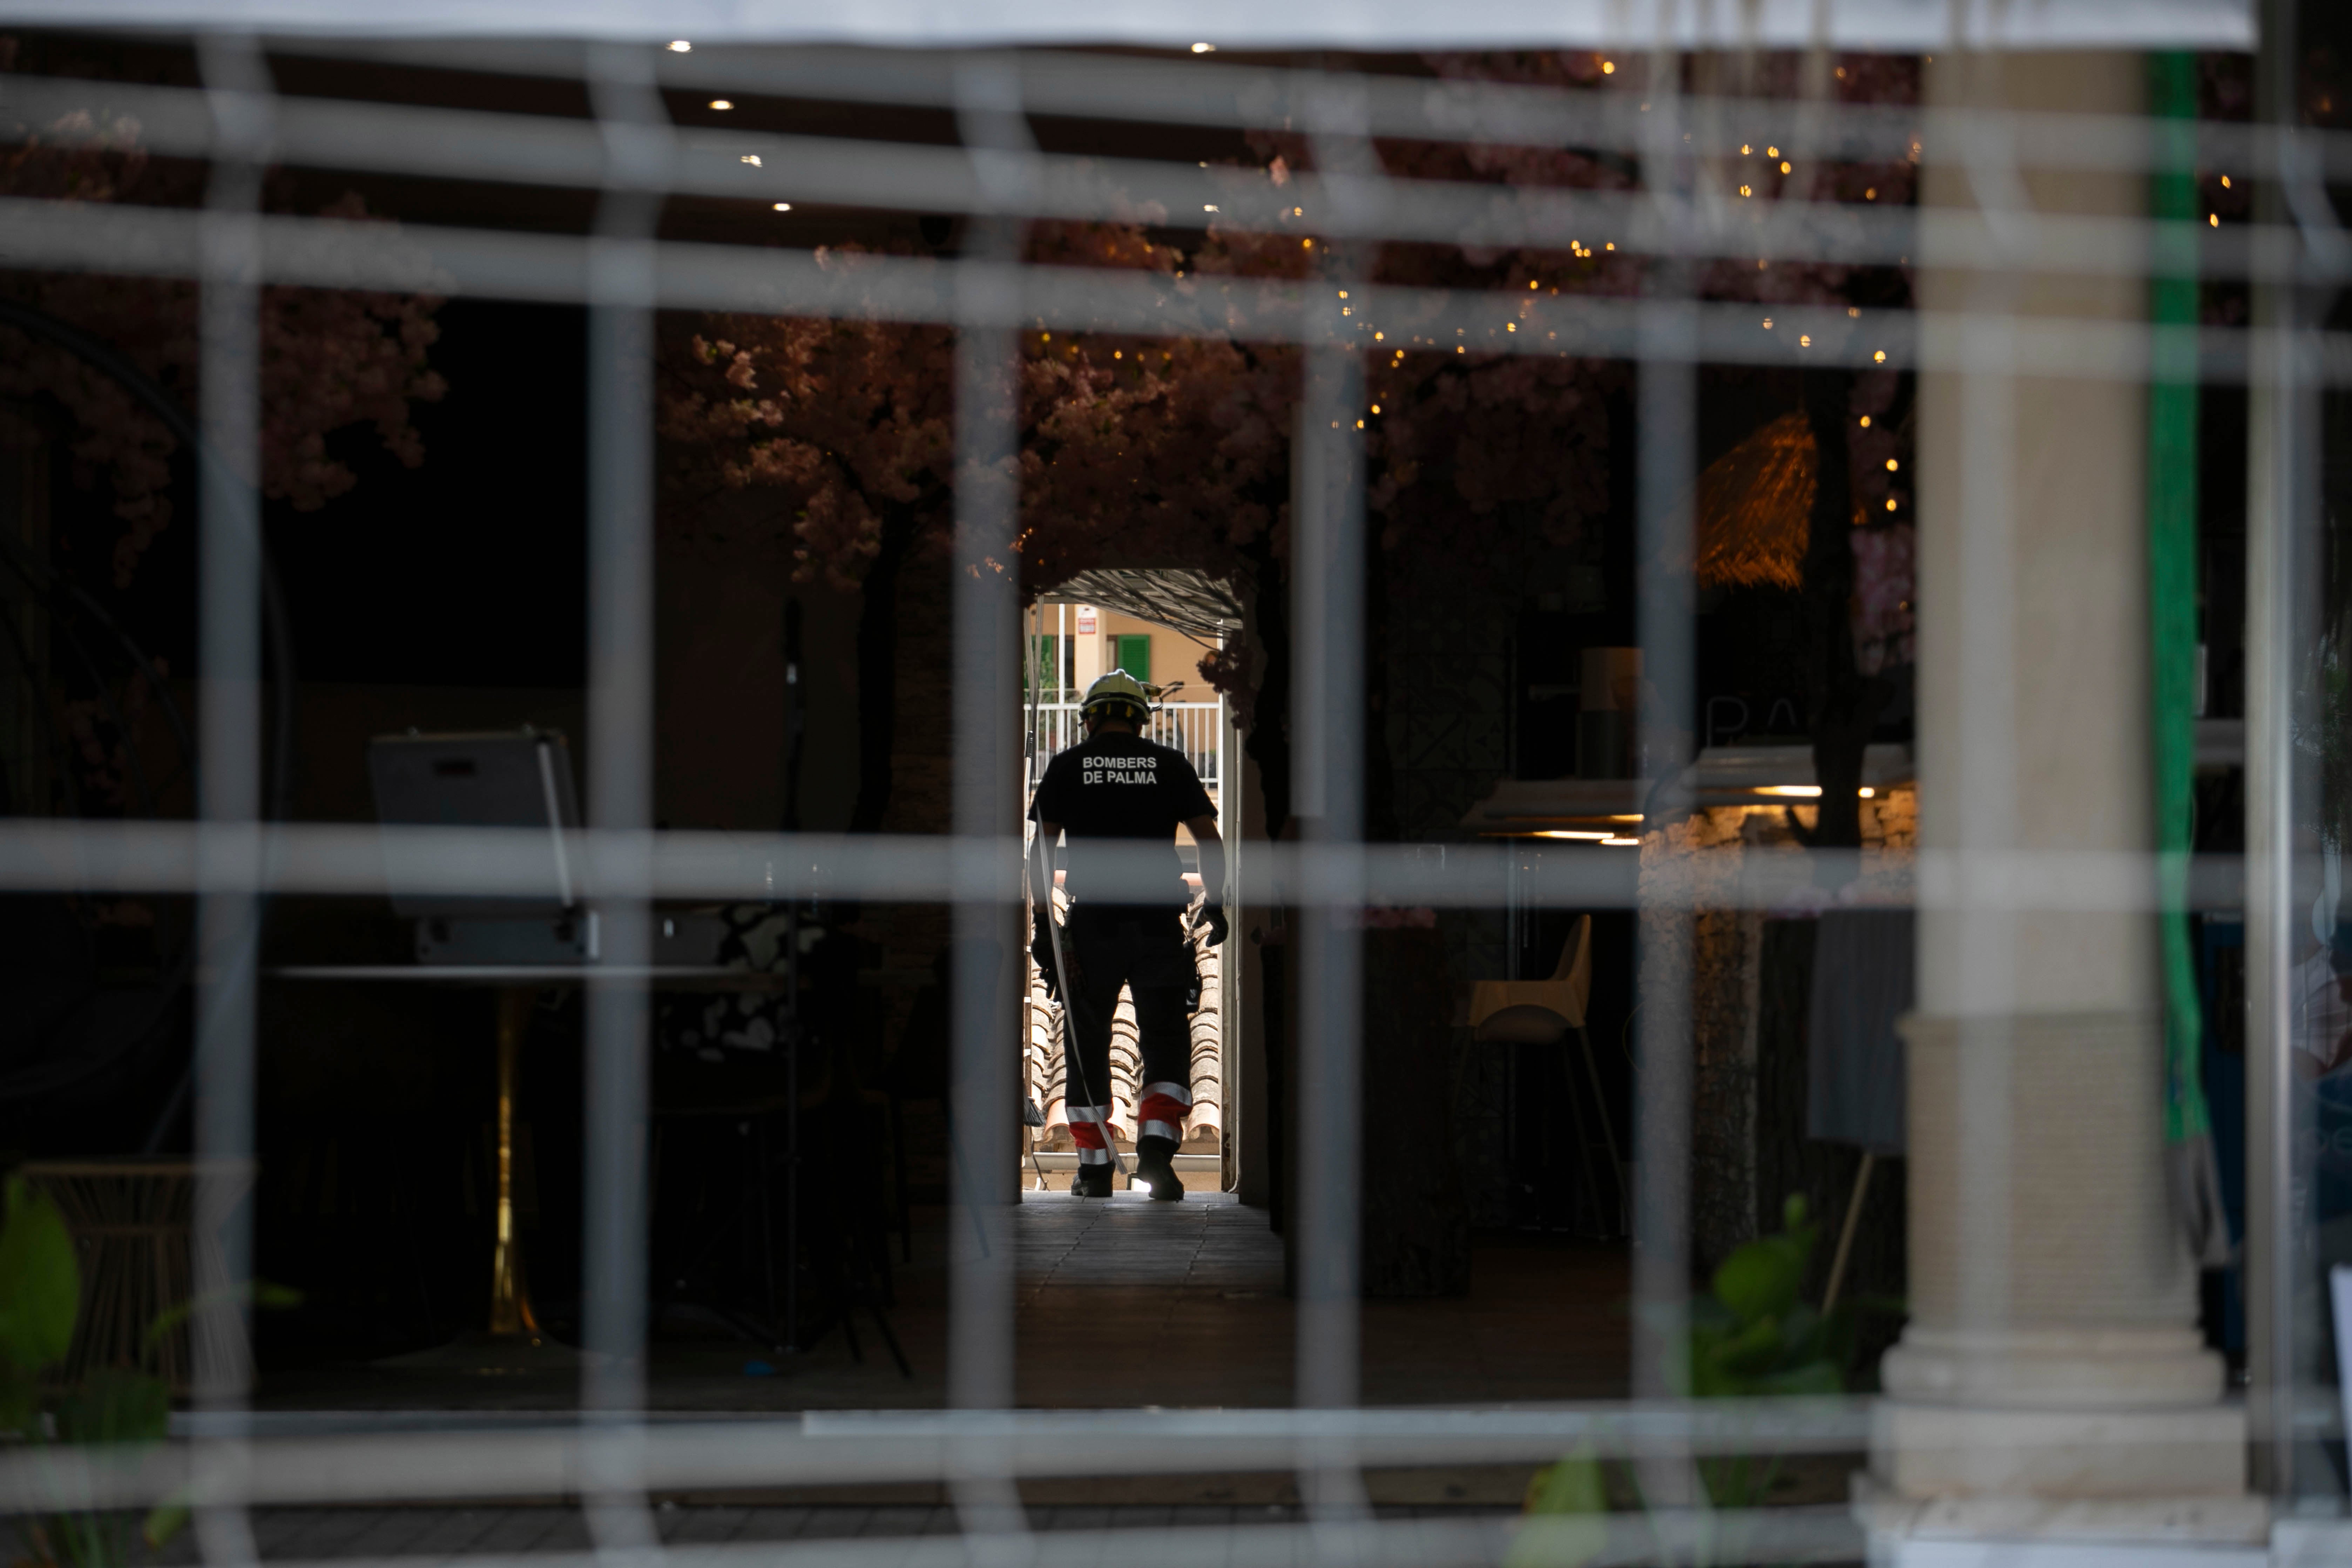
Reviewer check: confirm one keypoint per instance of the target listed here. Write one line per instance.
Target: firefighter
(1119, 797)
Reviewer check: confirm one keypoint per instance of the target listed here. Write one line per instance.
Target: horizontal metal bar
(356, 860)
(334, 253)
(830, 1449)
(762, 167)
(1807, 1534)
(1093, 86)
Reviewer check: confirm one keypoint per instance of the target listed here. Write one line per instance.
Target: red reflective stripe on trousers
(1161, 1108)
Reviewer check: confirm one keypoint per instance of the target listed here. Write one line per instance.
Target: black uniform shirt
(1122, 787)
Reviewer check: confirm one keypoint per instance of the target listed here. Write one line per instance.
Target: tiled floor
(1124, 1303)
(1121, 1304)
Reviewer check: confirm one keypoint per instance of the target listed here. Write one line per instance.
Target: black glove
(1214, 914)
(1041, 948)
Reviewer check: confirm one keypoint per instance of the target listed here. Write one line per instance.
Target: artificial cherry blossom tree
(329, 359)
(1160, 450)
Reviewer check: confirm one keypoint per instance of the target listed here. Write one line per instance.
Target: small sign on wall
(1087, 625)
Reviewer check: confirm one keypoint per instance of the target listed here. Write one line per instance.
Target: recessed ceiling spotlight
(783, 206)
(722, 103)
(1204, 49)
(680, 47)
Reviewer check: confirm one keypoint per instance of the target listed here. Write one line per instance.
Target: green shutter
(1135, 656)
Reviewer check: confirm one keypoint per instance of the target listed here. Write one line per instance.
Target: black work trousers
(1144, 949)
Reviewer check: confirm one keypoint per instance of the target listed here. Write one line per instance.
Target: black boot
(1155, 1162)
(1091, 1181)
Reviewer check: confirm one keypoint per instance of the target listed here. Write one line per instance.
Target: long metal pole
(229, 757)
(2278, 495)
(634, 126)
(981, 1340)
(1667, 399)
(1068, 1011)
(1328, 582)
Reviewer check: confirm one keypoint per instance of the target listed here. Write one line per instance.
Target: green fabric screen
(2172, 637)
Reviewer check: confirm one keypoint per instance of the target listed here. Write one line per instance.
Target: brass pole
(510, 1310)
(1846, 1232)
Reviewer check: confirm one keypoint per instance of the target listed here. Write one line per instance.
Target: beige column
(2052, 1350)
(1087, 646)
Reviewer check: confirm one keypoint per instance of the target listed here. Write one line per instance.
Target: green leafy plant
(40, 1290)
(121, 1412)
(1751, 1337)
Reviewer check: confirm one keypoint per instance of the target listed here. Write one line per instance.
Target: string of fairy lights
(1589, 301)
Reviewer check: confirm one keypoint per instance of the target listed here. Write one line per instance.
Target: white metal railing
(1191, 727)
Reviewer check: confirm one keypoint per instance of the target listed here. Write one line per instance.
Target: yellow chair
(1541, 1013)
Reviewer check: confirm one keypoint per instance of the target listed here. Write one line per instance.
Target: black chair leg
(882, 1326)
(898, 1172)
(763, 1173)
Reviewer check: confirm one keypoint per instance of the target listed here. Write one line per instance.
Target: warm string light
(680, 47)
(722, 103)
(782, 206)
